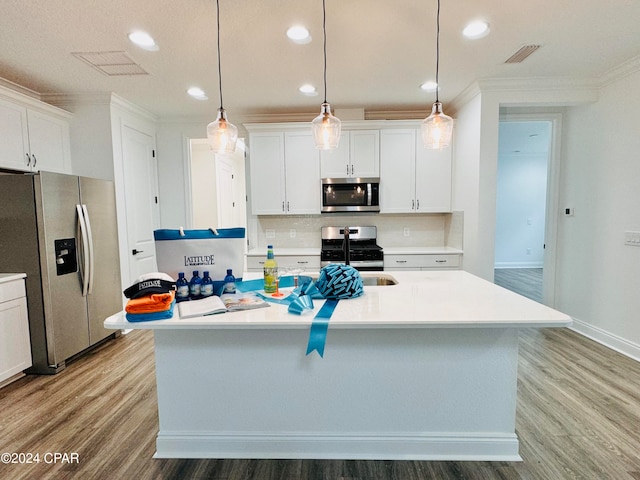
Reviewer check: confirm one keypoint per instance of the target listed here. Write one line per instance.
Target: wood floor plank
(577, 416)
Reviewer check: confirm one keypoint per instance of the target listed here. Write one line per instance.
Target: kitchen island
(425, 369)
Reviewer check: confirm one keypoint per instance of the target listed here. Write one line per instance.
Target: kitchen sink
(377, 280)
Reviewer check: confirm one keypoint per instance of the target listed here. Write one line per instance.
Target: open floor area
(577, 417)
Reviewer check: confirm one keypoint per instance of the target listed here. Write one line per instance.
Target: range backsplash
(425, 230)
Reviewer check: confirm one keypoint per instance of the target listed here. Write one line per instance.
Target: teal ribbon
(319, 327)
(299, 301)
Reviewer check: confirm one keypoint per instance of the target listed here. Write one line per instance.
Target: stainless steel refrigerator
(61, 231)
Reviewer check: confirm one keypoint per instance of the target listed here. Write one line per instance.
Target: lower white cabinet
(422, 261)
(304, 262)
(15, 343)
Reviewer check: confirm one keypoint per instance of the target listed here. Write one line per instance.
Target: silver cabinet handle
(441, 261)
(283, 206)
(418, 204)
(35, 160)
(347, 169)
(287, 206)
(351, 169)
(303, 262)
(401, 261)
(260, 263)
(28, 159)
(413, 204)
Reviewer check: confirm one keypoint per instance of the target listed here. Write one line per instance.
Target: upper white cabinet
(413, 179)
(357, 155)
(33, 139)
(285, 173)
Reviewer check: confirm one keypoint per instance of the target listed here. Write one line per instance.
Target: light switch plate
(406, 232)
(632, 238)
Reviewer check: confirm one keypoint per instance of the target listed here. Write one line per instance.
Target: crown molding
(19, 89)
(621, 71)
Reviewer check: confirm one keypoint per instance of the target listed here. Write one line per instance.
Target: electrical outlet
(406, 232)
(568, 212)
(270, 233)
(292, 233)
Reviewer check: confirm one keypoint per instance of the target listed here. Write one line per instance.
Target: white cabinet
(357, 155)
(308, 263)
(413, 179)
(422, 262)
(32, 139)
(15, 343)
(285, 173)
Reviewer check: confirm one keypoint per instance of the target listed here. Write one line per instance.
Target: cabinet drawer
(306, 262)
(421, 261)
(12, 290)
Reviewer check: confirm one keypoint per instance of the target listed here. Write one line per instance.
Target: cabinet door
(397, 168)
(14, 140)
(49, 142)
(335, 163)
(365, 153)
(433, 179)
(266, 160)
(302, 174)
(15, 344)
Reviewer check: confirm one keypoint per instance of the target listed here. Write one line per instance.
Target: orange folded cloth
(156, 302)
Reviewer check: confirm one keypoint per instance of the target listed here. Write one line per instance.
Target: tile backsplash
(303, 231)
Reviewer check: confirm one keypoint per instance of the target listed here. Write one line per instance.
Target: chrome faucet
(346, 247)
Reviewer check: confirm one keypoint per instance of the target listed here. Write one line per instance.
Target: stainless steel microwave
(350, 195)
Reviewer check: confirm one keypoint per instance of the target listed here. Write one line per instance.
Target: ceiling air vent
(521, 54)
(111, 63)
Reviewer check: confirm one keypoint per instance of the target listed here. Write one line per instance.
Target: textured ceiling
(379, 52)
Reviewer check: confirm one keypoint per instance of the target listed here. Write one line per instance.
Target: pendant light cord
(324, 32)
(437, 50)
(219, 68)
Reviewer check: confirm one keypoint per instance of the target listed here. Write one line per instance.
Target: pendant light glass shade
(437, 128)
(222, 134)
(326, 129)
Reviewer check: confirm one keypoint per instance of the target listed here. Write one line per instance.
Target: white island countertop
(422, 299)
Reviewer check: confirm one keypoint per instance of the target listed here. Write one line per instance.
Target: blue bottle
(182, 288)
(229, 283)
(206, 288)
(194, 286)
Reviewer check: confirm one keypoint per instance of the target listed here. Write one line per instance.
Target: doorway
(526, 205)
(217, 184)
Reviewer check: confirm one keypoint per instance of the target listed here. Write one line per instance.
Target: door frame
(552, 211)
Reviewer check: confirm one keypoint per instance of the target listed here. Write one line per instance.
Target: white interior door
(141, 194)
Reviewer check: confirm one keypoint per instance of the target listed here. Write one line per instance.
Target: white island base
(414, 385)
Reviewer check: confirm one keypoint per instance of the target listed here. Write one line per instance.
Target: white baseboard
(518, 265)
(614, 342)
(473, 447)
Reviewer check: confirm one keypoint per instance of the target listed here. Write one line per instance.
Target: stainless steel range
(360, 243)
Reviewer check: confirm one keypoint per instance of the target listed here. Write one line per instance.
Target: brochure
(229, 302)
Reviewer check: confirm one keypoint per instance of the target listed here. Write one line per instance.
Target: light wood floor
(578, 417)
(525, 281)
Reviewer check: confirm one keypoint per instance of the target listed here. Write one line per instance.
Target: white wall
(597, 275)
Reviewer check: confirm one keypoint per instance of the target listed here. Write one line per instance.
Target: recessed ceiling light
(144, 40)
(299, 34)
(475, 30)
(197, 93)
(308, 90)
(429, 86)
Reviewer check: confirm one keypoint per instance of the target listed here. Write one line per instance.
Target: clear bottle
(182, 288)
(194, 285)
(229, 282)
(270, 271)
(206, 288)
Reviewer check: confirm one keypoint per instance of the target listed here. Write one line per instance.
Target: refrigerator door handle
(84, 270)
(90, 242)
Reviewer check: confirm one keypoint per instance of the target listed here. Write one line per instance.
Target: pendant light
(437, 127)
(325, 127)
(221, 133)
